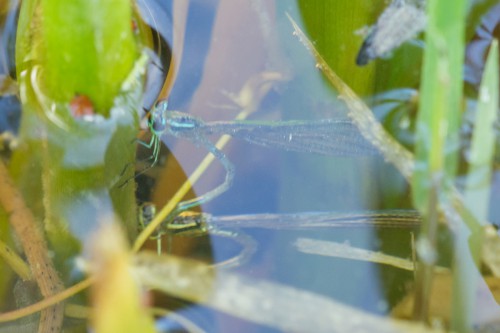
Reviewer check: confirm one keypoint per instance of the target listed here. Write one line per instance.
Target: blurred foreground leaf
(262, 302)
(116, 296)
(482, 149)
(470, 246)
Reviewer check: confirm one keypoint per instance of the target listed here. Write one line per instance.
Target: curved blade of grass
(393, 152)
(477, 196)
(347, 251)
(361, 114)
(15, 262)
(452, 210)
(46, 302)
(477, 188)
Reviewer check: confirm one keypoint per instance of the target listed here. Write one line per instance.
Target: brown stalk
(35, 247)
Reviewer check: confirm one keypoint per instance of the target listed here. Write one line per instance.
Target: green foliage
(468, 250)
(332, 26)
(69, 168)
(440, 100)
(337, 30)
(437, 135)
(477, 192)
(87, 48)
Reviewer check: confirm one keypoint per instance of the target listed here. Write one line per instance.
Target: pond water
(241, 55)
(250, 54)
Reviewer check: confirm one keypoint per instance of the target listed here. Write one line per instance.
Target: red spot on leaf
(81, 106)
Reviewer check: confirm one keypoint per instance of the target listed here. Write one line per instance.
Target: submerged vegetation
(348, 262)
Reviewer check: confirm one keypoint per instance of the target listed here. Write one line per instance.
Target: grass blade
(438, 123)
(477, 197)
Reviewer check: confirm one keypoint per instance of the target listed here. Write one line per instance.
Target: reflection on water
(197, 42)
(267, 180)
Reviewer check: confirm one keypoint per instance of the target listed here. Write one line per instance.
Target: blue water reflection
(267, 179)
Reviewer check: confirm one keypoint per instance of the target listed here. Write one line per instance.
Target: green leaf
(77, 164)
(332, 25)
(88, 48)
(468, 252)
(477, 192)
(85, 47)
(440, 100)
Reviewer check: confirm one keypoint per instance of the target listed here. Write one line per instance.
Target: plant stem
(426, 247)
(35, 248)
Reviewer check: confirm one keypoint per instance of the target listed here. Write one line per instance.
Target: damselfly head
(158, 118)
(147, 212)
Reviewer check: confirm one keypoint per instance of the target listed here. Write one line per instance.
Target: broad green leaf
(332, 25)
(85, 47)
(88, 48)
